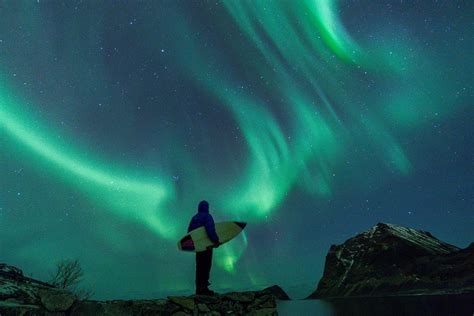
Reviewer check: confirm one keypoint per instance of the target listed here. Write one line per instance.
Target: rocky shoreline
(386, 260)
(20, 295)
(234, 303)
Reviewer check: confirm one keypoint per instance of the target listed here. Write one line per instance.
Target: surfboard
(197, 239)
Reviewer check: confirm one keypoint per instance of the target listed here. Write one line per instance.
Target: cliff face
(20, 295)
(394, 260)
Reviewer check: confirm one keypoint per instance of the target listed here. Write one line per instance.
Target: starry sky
(310, 120)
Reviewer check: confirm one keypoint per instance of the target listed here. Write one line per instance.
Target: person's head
(203, 207)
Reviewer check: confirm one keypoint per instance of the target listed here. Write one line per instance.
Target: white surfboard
(197, 240)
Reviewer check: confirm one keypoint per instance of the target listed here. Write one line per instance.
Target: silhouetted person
(204, 258)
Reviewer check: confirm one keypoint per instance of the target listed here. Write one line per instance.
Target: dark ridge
(394, 260)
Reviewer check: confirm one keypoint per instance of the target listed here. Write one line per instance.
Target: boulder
(203, 307)
(185, 302)
(245, 297)
(278, 292)
(56, 300)
(5, 268)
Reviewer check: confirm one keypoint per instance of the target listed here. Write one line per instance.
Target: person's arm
(211, 229)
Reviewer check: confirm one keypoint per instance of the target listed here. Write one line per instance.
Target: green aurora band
(111, 189)
(305, 61)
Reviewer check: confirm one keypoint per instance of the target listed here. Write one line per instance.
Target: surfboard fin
(241, 224)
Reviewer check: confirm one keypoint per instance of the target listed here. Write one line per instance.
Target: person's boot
(204, 291)
(200, 290)
(208, 292)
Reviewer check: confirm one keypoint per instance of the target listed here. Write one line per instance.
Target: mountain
(394, 260)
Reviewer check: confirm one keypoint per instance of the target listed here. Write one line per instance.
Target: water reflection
(410, 305)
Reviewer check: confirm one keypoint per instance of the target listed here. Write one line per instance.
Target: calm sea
(439, 305)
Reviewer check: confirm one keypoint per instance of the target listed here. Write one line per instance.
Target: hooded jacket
(203, 218)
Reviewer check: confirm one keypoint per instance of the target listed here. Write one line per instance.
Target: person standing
(204, 258)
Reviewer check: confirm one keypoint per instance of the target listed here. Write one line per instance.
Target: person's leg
(201, 271)
(208, 266)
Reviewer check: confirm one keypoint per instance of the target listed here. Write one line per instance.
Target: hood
(203, 207)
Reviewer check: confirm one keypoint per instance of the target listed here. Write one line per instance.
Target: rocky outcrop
(20, 295)
(23, 293)
(235, 303)
(394, 260)
(278, 292)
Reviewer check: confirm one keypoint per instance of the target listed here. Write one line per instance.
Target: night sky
(311, 120)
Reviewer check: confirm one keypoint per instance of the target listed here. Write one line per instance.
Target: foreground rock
(278, 292)
(235, 303)
(394, 260)
(20, 295)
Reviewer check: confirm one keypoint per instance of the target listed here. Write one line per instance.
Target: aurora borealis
(310, 120)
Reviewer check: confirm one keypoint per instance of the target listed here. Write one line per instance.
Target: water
(445, 305)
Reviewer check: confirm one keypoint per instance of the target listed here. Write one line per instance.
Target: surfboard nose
(241, 224)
